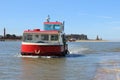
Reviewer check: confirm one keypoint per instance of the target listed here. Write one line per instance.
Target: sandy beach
(92, 41)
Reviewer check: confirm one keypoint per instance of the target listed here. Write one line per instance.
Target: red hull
(43, 50)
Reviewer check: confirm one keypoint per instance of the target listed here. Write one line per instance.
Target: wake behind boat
(48, 42)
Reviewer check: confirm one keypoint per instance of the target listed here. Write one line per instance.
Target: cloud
(105, 17)
(113, 22)
(116, 28)
(116, 22)
(86, 14)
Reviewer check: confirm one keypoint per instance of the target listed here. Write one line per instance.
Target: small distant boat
(48, 42)
(72, 40)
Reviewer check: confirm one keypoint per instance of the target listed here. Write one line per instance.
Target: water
(86, 61)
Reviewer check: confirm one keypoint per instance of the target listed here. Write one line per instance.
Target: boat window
(44, 37)
(37, 36)
(29, 37)
(52, 27)
(56, 27)
(54, 37)
(48, 27)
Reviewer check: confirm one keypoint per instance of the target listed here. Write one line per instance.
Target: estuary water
(86, 61)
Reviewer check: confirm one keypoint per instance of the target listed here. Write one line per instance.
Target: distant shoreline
(92, 41)
(97, 41)
(2, 40)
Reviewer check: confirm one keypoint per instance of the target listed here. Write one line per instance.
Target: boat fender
(37, 51)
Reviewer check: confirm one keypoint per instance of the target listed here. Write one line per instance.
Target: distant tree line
(11, 36)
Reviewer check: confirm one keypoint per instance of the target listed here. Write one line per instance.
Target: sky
(89, 17)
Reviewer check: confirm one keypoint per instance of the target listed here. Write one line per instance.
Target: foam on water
(19, 55)
(78, 50)
(30, 56)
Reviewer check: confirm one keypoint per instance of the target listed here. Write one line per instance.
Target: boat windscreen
(52, 27)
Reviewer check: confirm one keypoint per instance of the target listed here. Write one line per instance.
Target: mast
(63, 25)
(48, 18)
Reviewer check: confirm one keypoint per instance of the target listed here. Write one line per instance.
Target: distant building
(9, 36)
(97, 38)
(76, 37)
(4, 32)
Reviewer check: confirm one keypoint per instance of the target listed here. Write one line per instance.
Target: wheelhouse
(54, 26)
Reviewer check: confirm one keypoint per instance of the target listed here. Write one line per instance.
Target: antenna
(63, 25)
(48, 18)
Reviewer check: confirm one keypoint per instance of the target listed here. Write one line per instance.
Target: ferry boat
(48, 42)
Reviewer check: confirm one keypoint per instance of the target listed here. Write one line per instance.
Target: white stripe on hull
(27, 43)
